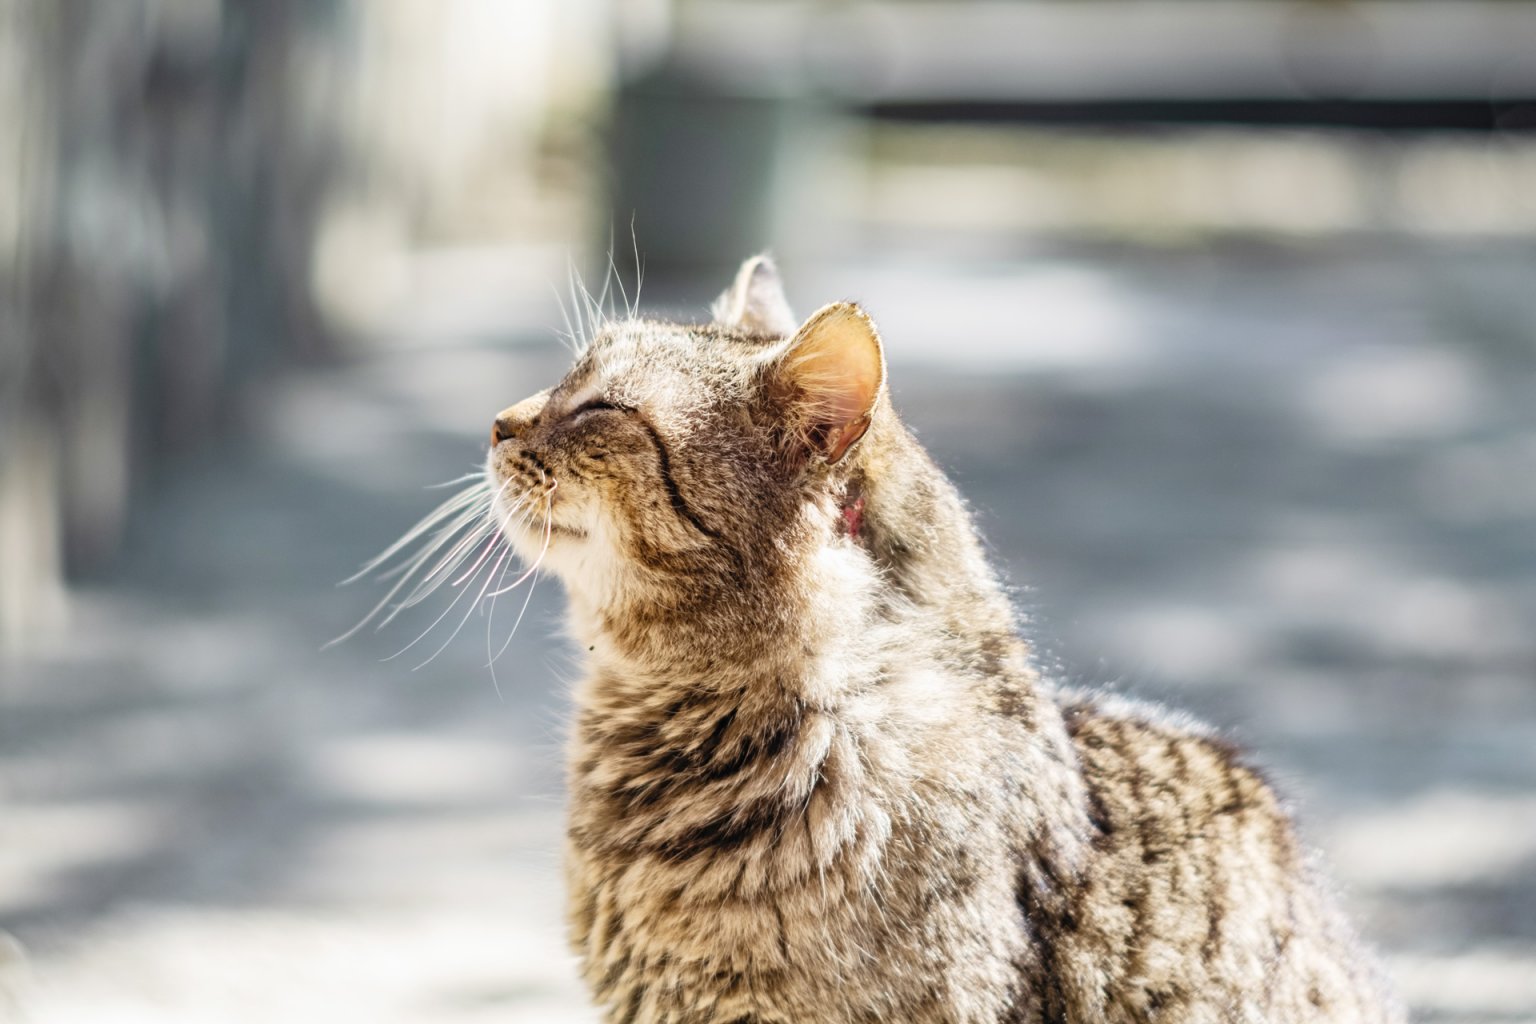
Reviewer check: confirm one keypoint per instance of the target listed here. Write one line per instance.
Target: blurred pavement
(1293, 492)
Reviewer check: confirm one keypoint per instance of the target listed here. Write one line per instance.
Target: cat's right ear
(834, 367)
(755, 301)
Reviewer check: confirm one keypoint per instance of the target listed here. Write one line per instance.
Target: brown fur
(815, 776)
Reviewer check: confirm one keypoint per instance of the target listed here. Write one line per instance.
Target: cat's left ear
(755, 301)
(836, 369)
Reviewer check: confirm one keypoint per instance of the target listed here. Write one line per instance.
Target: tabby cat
(815, 775)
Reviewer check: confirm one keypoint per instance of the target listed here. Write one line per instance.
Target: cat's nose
(513, 420)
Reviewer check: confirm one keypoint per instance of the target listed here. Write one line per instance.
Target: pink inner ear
(854, 392)
(837, 363)
(845, 438)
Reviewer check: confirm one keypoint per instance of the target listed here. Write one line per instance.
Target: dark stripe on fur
(674, 496)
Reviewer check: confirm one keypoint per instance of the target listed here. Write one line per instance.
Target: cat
(815, 776)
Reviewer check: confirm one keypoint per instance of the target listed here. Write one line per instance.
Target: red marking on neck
(853, 517)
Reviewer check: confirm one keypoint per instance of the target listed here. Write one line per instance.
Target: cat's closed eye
(595, 405)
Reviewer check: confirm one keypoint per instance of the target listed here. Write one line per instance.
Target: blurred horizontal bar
(1377, 115)
(1035, 55)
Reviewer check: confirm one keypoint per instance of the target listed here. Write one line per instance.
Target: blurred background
(1222, 313)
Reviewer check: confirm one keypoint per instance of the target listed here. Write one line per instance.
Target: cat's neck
(803, 642)
(886, 572)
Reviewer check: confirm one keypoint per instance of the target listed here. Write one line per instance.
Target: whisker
(490, 617)
(506, 551)
(580, 309)
(439, 574)
(463, 511)
(549, 530)
(469, 496)
(407, 576)
(494, 537)
(593, 307)
(604, 301)
(496, 532)
(571, 335)
(476, 475)
(456, 557)
(613, 275)
(491, 663)
(634, 242)
(467, 519)
(459, 597)
(490, 659)
(440, 617)
(470, 527)
(457, 541)
(499, 542)
(515, 623)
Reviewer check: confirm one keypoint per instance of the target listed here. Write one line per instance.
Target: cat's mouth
(535, 518)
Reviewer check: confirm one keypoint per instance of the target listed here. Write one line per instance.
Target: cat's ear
(835, 369)
(755, 302)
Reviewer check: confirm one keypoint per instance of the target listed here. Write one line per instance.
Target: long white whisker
(493, 536)
(454, 505)
(516, 622)
(613, 273)
(444, 613)
(634, 242)
(441, 539)
(549, 530)
(506, 551)
(427, 584)
(461, 549)
(490, 618)
(449, 563)
(440, 574)
(577, 307)
(407, 574)
(600, 302)
(440, 617)
(594, 308)
(446, 518)
(496, 534)
(474, 517)
(422, 591)
(499, 540)
(576, 342)
(490, 659)
(610, 280)
(477, 475)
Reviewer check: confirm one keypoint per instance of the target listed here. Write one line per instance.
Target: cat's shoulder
(1138, 745)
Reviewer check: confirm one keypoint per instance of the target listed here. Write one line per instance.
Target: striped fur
(815, 776)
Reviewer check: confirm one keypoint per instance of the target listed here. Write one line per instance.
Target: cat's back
(1199, 902)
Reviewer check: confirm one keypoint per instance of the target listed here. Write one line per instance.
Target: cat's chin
(549, 543)
(532, 542)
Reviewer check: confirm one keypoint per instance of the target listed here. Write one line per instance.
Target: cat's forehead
(641, 359)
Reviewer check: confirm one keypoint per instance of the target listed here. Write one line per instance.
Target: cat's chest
(834, 947)
(769, 957)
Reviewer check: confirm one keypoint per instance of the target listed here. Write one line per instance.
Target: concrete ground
(1293, 492)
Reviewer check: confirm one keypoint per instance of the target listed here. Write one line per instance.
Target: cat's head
(692, 456)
